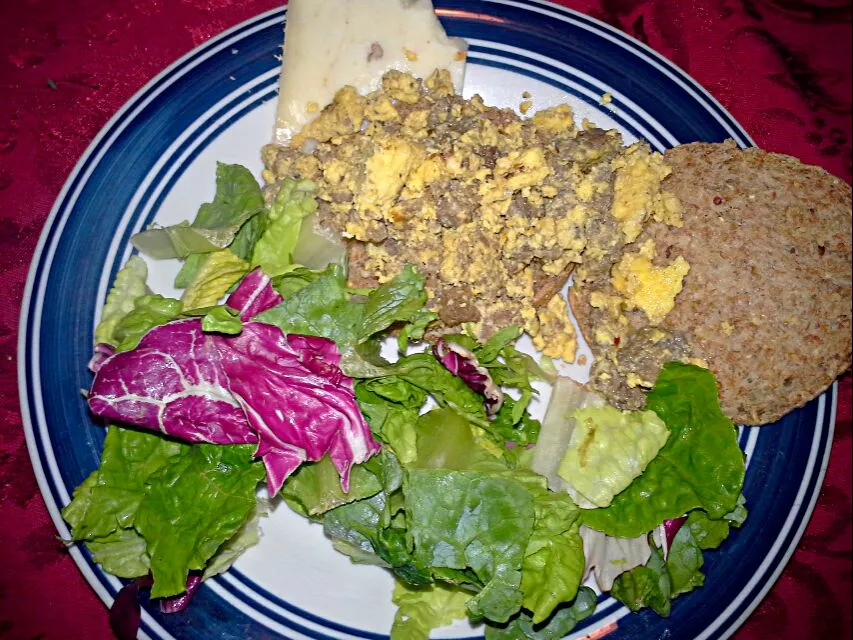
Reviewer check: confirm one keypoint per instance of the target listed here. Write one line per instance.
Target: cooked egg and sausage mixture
(496, 211)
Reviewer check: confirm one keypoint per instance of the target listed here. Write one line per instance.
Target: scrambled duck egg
(494, 210)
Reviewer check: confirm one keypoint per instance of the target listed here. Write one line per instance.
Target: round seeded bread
(767, 301)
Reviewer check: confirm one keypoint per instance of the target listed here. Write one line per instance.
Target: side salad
(428, 464)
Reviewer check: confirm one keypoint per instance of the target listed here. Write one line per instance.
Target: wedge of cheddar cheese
(332, 43)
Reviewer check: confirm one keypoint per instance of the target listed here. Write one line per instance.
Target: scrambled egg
(493, 209)
(646, 286)
(637, 191)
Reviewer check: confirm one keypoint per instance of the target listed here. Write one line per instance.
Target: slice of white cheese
(332, 43)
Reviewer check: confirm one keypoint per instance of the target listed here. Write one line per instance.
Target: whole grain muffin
(766, 303)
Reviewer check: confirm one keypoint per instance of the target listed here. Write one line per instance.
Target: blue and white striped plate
(155, 160)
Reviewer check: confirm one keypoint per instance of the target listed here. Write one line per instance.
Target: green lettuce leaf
(659, 581)
(325, 307)
(683, 563)
(217, 224)
(709, 534)
(109, 498)
(182, 239)
(399, 300)
(699, 532)
(315, 488)
(183, 501)
(247, 237)
(219, 272)
(191, 507)
(247, 536)
(522, 431)
(273, 251)
(553, 561)
(646, 586)
(468, 519)
(122, 553)
(420, 610)
(423, 371)
(367, 531)
(559, 625)
(446, 441)
(320, 304)
(149, 311)
(296, 279)
(701, 465)
(128, 287)
(222, 319)
(391, 421)
(608, 449)
(237, 193)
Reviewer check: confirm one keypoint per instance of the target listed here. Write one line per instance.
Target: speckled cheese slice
(332, 43)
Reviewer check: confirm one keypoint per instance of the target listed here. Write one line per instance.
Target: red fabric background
(782, 67)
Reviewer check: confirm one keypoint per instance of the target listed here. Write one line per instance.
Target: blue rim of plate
(134, 161)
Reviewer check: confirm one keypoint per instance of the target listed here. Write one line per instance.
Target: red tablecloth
(782, 67)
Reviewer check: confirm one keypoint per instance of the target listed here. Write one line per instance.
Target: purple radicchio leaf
(125, 612)
(464, 364)
(297, 400)
(181, 602)
(284, 392)
(172, 382)
(254, 295)
(101, 353)
(671, 527)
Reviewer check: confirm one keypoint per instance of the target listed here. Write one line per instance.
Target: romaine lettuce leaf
(660, 581)
(122, 553)
(684, 560)
(325, 307)
(683, 563)
(247, 536)
(422, 609)
(523, 432)
(398, 300)
(217, 224)
(159, 505)
(558, 426)
(469, 519)
(149, 311)
(296, 279)
(701, 465)
(426, 373)
(316, 488)
(646, 586)
(222, 319)
(371, 531)
(182, 239)
(553, 563)
(558, 626)
(128, 287)
(220, 271)
(108, 499)
(607, 450)
(237, 193)
(191, 507)
(273, 250)
(390, 421)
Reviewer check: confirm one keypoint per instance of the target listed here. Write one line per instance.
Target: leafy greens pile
(421, 465)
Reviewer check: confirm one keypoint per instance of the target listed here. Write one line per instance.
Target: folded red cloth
(782, 67)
